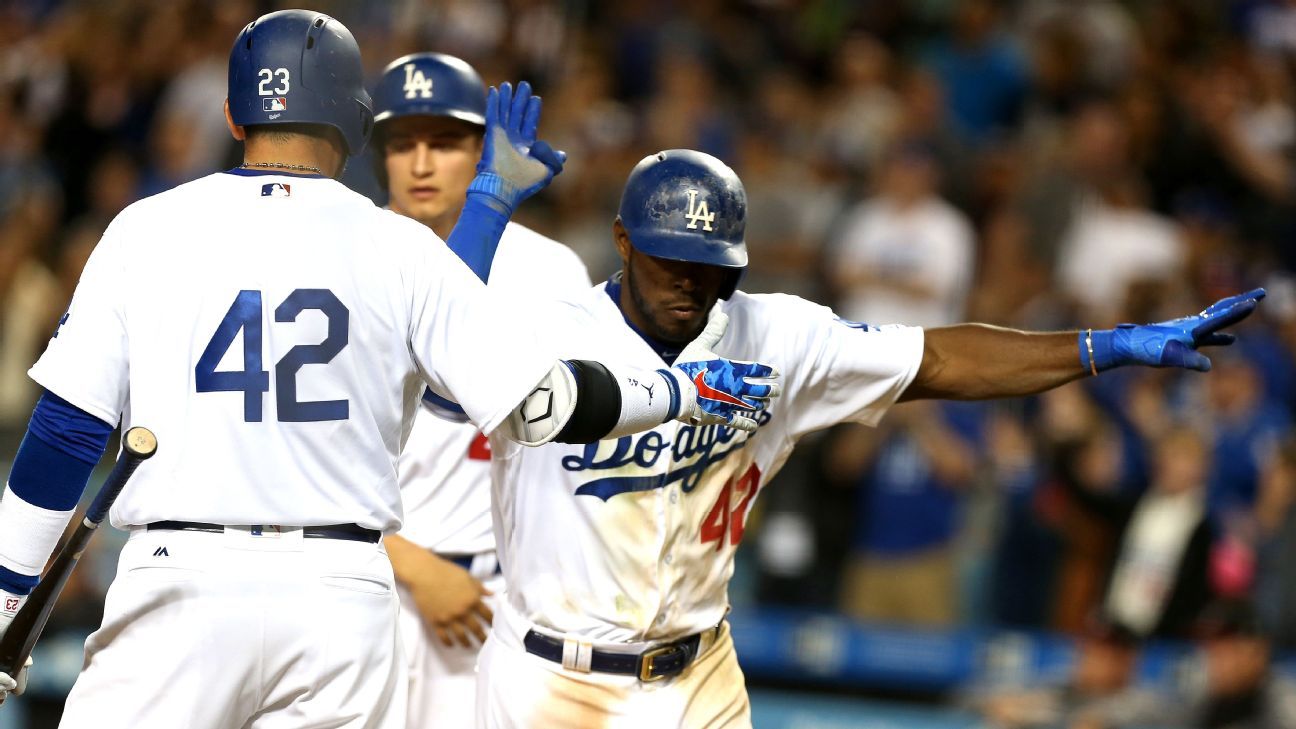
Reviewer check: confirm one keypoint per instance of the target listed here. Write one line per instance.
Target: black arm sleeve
(598, 403)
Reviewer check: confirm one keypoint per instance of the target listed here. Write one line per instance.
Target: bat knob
(140, 442)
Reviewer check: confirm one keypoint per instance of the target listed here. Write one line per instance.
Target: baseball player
(429, 119)
(618, 554)
(275, 331)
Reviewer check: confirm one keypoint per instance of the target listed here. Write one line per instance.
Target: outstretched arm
(978, 362)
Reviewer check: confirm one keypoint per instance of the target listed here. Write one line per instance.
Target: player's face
(430, 162)
(668, 300)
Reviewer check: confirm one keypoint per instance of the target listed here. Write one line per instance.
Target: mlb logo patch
(278, 103)
(276, 189)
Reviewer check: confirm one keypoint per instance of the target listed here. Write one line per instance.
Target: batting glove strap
(495, 192)
(675, 386)
(1100, 346)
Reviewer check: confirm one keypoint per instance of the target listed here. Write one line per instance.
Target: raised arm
(979, 362)
(514, 166)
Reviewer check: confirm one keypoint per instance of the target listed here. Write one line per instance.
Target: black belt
(466, 561)
(350, 532)
(654, 664)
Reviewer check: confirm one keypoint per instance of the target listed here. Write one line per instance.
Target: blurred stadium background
(1121, 552)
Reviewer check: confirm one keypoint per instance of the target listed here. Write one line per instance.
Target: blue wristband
(1098, 350)
(16, 583)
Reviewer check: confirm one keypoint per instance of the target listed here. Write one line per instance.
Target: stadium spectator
(1248, 428)
(912, 474)
(1276, 521)
(982, 71)
(1096, 691)
(1159, 581)
(905, 256)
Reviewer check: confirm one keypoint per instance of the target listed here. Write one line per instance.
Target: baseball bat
(138, 445)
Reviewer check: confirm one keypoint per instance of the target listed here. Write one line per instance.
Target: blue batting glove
(719, 391)
(1171, 343)
(514, 164)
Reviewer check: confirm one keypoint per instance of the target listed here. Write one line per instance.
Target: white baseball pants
(516, 690)
(235, 631)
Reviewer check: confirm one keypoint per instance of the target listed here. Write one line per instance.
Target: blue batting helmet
(430, 84)
(299, 66)
(687, 206)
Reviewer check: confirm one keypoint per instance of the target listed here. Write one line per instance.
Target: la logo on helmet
(698, 213)
(416, 84)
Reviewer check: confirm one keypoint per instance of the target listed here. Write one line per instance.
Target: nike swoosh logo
(708, 392)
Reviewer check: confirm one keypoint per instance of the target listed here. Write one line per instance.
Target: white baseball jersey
(632, 540)
(275, 332)
(445, 467)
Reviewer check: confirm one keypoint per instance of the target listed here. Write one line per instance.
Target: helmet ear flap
(366, 122)
(378, 158)
(731, 283)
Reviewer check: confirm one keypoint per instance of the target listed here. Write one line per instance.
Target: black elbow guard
(598, 403)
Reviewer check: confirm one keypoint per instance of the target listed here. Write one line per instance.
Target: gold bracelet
(1093, 366)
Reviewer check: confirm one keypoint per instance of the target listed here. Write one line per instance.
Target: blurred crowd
(1043, 164)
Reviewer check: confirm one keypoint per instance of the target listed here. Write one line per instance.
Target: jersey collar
(668, 352)
(245, 172)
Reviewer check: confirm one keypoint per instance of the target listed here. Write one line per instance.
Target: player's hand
(451, 602)
(1172, 343)
(514, 164)
(11, 685)
(9, 605)
(718, 391)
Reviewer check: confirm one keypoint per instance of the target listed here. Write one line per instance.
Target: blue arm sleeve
(476, 235)
(62, 445)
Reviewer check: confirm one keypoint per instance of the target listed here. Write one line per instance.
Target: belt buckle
(646, 662)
